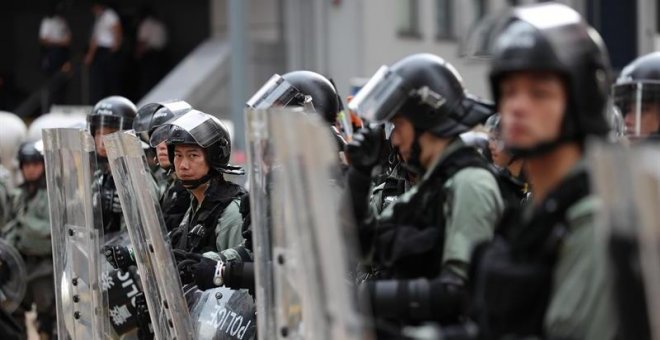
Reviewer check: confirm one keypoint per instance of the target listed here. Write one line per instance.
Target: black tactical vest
(174, 203)
(511, 276)
(411, 243)
(196, 233)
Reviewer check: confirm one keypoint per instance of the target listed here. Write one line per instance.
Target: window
(408, 18)
(444, 19)
(480, 9)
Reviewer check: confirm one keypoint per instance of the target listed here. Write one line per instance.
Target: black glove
(116, 204)
(363, 152)
(200, 270)
(5, 273)
(145, 330)
(120, 257)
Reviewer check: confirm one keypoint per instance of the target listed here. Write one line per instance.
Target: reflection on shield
(144, 219)
(300, 243)
(76, 232)
(627, 180)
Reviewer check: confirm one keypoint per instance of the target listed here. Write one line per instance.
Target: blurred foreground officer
(548, 277)
(637, 95)
(422, 242)
(29, 232)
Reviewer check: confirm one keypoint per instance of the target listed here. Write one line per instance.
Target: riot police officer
(637, 95)
(422, 242)
(299, 88)
(199, 148)
(548, 276)
(29, 232)
(109, 115)
(314, 92)
(513, 184)
(174, 199)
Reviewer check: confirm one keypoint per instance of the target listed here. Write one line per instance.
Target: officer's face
(532, 106)
(500, 157)
(190, 162)
(32, 171)
(649, 120)
(402, 137)
(161, 154)
(98, 139)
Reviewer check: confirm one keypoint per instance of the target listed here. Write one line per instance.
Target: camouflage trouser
(40, 292)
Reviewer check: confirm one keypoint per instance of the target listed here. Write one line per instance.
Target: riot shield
(300, 244)
(222, 313)
(627, 180)
(77, 233)
(144, 220)
(13, 277)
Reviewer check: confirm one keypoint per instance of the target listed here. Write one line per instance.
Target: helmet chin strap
(195, 183)
(537, 150)
(414, 164)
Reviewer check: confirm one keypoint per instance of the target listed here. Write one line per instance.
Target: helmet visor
(639, 103)
(276, 92)
(110, 123)
(381, 97)
(201, 126)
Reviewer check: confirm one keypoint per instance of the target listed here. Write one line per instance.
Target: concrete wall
(358, 36)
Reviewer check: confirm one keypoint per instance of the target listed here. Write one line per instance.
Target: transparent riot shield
(13, 277)
(144, 220)
(222, 313)
(627, 180)
(300, 243)
(77, 232)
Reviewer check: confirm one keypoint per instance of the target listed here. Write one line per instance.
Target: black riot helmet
(114, 112)
(425, 89)
(30, 152)
(637, 92)
(296, 89)
(554, 37)
(201, 129)
(152, 115)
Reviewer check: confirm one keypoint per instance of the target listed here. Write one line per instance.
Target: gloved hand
(145, 330)
(200, 270)
(120, 257)
(5, 273)
(363, 152)
(116, 204)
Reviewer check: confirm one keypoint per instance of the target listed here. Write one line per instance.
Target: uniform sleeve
(581, 304)
(228, 232)
(473, 207)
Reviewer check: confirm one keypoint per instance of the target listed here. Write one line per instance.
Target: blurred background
(216, 53)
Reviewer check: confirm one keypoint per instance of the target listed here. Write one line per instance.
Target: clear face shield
(203, 128)
(381, 97)
(639, 104)
(275, 92)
